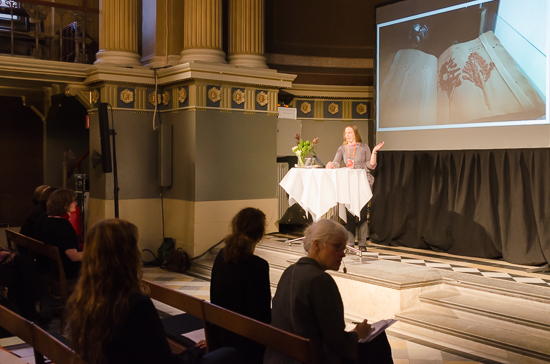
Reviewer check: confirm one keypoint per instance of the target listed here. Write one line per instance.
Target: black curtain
(479, 203)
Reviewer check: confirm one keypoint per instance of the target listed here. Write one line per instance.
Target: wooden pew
(43, 343)
(37, 249)
(192, 306)
(52, 348)
(291, 345)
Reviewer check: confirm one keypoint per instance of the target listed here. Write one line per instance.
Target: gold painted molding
(262, 98)
(333, 108)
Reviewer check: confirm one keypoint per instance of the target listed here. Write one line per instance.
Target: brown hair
(358, 137)
(247, 227)
(60, 202)
(38, 192)
(110, 275)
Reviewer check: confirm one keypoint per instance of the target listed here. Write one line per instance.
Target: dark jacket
(243, 288)
(139, 337)
(308, 303)
(59, 232)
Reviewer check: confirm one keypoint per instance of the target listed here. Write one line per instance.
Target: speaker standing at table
(355, 154)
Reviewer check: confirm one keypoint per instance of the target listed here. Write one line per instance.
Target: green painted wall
(222, 156)
(236, 156)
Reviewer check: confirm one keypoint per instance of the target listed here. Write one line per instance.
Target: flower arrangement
(303, 148)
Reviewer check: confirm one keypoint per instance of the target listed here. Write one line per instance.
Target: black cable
(208, 251)
(152, 262)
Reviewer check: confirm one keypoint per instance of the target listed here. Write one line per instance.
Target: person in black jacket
(56, 230)
(27, 228)
(111, 320)
(240, 281)
(308, 303)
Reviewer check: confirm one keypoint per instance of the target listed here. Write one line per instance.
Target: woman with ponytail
(240, 281)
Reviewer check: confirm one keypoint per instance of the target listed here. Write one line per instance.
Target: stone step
(528, 314)
(514, 346)
(497, 286)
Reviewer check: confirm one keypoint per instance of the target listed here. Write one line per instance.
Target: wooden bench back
(291, 345)
(42, 342)
(37, 249)
(16, 324)
(53, 349)
(286, 343)
(179, 300)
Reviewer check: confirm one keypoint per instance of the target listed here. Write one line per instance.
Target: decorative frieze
(182, 95)
(95, 96)
(305, 107)
(333, 108)
(214, 94)
(238, 96)
(166, 98)
(262, 98)
(201, 95)
(361, 109)
(126, 96)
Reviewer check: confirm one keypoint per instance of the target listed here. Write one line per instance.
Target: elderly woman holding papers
(308, 303)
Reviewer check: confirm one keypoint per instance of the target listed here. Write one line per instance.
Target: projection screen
(455, 74)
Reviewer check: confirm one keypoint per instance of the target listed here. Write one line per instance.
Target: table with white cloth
(317, 190)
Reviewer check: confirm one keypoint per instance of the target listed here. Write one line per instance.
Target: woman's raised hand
(378, 147)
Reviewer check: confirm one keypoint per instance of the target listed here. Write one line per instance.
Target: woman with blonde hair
(240, 280)
(111, 320)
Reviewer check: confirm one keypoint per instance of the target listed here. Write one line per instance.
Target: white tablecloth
(318, 190)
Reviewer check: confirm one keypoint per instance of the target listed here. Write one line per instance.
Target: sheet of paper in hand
(376, 329)
(196, 335)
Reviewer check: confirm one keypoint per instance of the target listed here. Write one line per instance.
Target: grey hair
(322, 231)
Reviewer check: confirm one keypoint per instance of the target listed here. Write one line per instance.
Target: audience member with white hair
(308, 303)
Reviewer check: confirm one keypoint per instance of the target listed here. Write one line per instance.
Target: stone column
(202, 34)
(118, 33)
(246, 33)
